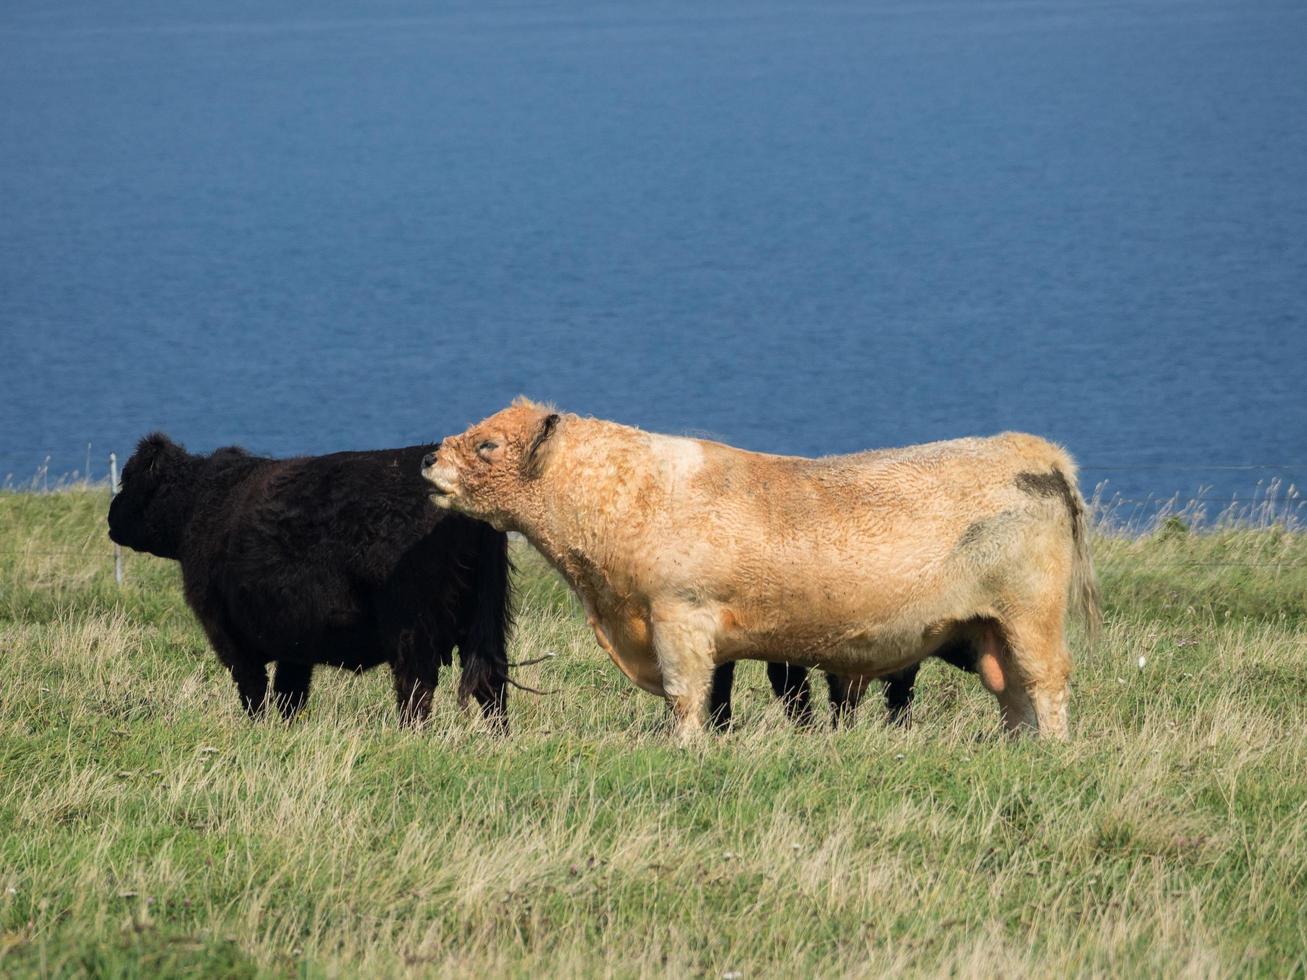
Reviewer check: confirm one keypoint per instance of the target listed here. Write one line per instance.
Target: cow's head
(150, 511)
(486, 471)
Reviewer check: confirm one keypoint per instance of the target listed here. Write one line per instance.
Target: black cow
(338, 560)
(789, 682)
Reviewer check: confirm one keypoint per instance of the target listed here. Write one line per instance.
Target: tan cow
(688, 553)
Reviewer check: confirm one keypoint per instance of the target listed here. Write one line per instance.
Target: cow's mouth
(441, 496)
(442, 486)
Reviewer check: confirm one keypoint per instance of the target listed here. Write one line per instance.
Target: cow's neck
(590, 511)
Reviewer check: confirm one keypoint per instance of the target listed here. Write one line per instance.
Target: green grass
(147, 828)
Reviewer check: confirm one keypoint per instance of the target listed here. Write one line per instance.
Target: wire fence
(1126, 467)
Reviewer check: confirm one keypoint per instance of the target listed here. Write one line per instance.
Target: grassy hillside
(146, 827)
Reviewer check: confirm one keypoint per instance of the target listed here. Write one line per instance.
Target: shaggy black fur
(790, 683)
(338, 560)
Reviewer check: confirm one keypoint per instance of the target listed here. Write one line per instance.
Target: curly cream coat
(687, 553)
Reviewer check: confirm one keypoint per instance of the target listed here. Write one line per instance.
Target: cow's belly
(868, 653)
(354, 648)
(869, 634)
(866, 630)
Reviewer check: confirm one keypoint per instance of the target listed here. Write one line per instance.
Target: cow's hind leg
(845, 696)
(484, 676)
(789, 682)
(900, 688)
(413, 693)
(290, 687)
(1026, 666)
(493, 700)
(719, 700)
(416, 670)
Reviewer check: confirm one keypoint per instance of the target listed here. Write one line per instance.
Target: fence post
(113, 492)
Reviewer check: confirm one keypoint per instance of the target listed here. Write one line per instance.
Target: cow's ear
(538, 451)
(153, 450)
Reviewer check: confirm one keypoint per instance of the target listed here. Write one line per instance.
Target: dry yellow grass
(147, 828)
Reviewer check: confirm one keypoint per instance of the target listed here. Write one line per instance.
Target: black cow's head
(150, 511)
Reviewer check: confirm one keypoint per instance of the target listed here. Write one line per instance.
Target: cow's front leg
(252, 685)
(685, 657)
(290, 686)
(248, 670)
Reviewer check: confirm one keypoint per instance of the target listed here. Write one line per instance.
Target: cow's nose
(428, 460)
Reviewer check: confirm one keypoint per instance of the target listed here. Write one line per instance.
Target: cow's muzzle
(444, 484)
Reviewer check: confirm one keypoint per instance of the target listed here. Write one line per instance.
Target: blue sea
(798, 227)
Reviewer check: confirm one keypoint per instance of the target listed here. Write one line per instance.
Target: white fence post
(113, 492)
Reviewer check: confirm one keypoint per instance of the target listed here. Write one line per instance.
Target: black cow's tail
(484, 652)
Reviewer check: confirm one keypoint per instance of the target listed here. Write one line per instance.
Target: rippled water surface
(803, 228)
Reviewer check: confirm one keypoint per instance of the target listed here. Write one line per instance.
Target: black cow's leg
(413, 697)
(484, 676)
(415, 683)
(290, 686)
(249, 672)
(841, 712)
(961, 654)
(252, 685)
(719, 698)
(790, 684)
(900, 687)
(494, 706)
(845, 696)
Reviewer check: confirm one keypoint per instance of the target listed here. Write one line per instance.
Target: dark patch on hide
(974, 533)
(987, 533)
(1052, 484)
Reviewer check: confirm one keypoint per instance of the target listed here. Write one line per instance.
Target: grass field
(147, 828)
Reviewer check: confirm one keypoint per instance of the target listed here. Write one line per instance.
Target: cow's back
(896, 507)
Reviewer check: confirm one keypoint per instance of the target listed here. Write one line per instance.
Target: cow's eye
(489, 446)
